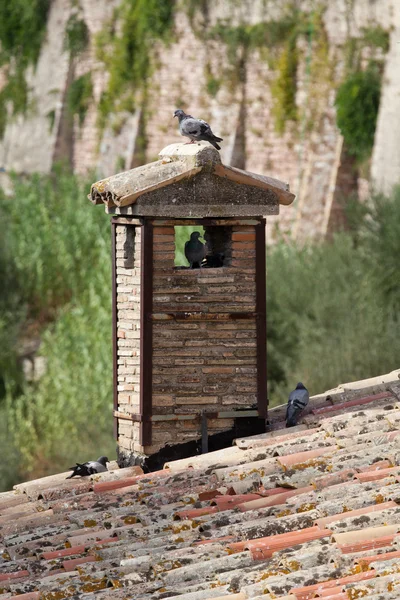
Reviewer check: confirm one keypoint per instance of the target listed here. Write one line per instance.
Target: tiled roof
(307, 512)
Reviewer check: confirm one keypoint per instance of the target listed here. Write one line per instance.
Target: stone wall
(309, 158)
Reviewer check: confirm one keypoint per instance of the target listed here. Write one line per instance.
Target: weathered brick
(246, 352)
(125, 352)
(244, 400)
(160, 237)
(128, 342)
(216, 280)
(220, 423)
(238, 245)
(219, 388)
(163, 400)
(133, 334)
(163, 255)
(162, 436)
(196, 399)
(218, 370)
(188, 425)
(245, 334)
(163, 231)
(243, 237)
(177, 290)
(162, 343)
(247, 388)
(189, 361)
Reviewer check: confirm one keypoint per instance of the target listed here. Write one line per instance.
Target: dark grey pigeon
(90, 468)
(213, 261)
(298, 400)
(196, 129)
(195, 250)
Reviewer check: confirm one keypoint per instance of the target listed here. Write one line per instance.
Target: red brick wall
(201, 364)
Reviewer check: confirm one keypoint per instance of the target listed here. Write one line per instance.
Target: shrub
(357, 104)
(333, 307)
(79, 96)
(76, 36)
(62, 259)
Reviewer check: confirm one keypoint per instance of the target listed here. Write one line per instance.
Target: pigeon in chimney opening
(196, 129)
(195, 250)
(298, 400)
(89, 468)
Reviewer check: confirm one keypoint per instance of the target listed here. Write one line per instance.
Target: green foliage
(333, 307)
(14, 95)
(268, 36)
(213, 84)
(51, 116)
(128, 54)
(376, 37)
(379, 236)
(61, 257)
(79, 96)
(12, 311)
(195, 7)
(243, 38)
(284, 87)
(357, 104)
(182, 235)
(22, 30)
(76, 36)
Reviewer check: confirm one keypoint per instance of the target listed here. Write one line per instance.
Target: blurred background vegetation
(332, 317)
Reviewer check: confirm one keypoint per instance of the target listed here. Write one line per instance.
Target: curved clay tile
(228, 502)
(266, 439)
(351, 403)
(273, 500)
(333, 583)
(366, 560)
(382, 542)
(368, 534)
(376, 475)
(300, 458)
(322, 522)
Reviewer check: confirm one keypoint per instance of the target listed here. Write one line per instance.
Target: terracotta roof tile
(352, 403)
(322, 522)
(378, 557)
(312, 510)
(14, 575)
(70, 565)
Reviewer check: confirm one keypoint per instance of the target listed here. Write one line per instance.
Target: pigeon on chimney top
(89, 468)
(195, 250)
(298, 400)
(196, 129)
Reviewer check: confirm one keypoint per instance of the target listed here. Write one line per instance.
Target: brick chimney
(189, 344)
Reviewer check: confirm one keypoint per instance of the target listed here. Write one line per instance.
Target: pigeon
(213, 261)
(298, 400)
(89, 468)
(196, 129)
(195, 250)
